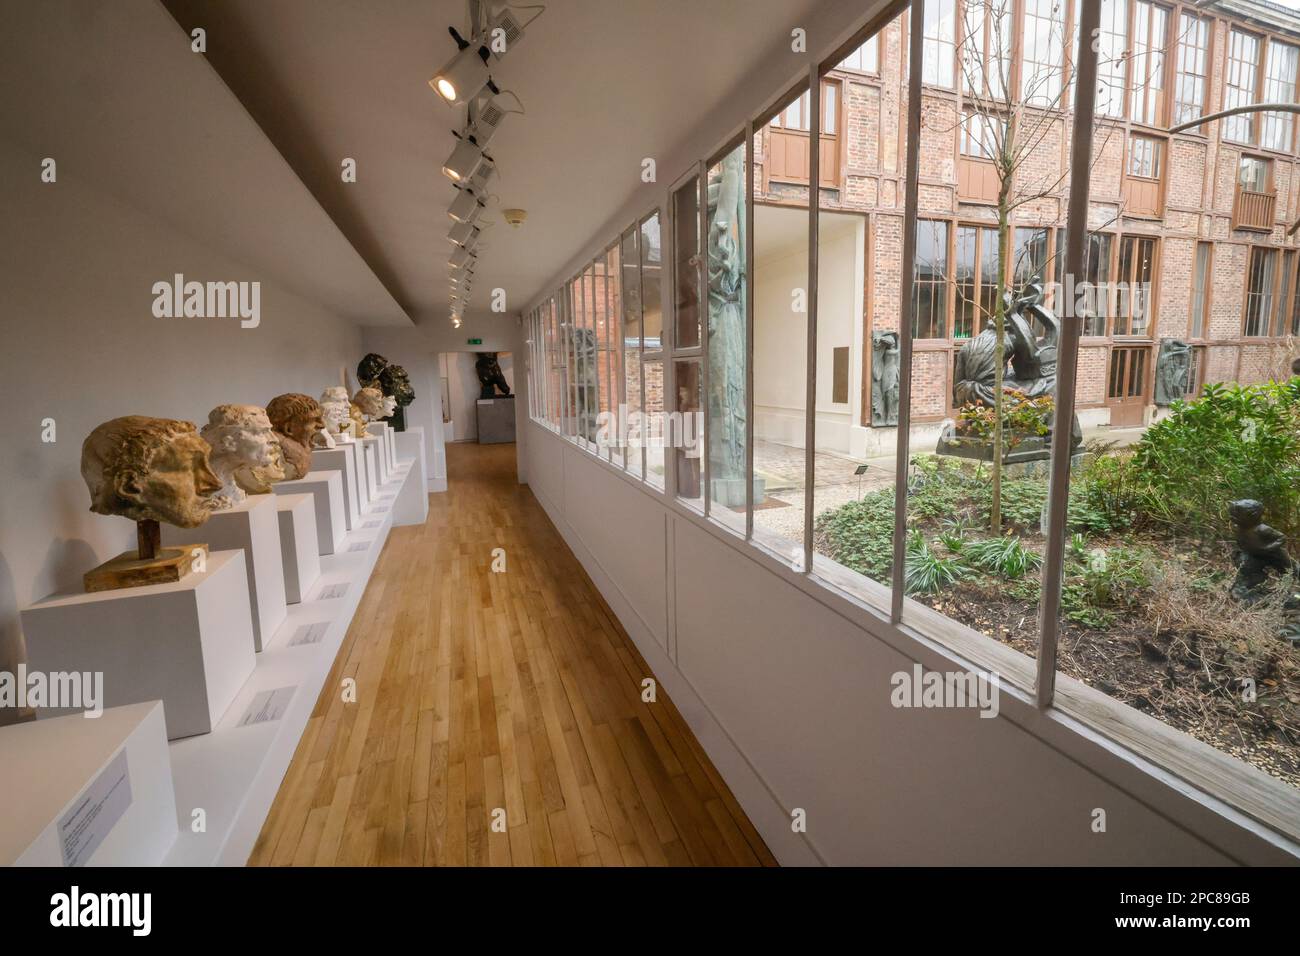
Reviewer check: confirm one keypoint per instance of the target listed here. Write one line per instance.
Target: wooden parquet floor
(498, 718)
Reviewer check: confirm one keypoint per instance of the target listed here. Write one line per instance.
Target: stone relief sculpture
(885, 357)
(296, 419)
(392, 380)
(240, 436)
(336, 408)
(1173, 368)
(1032, 374)
(490, 377)
(727, 291)
(149, 470)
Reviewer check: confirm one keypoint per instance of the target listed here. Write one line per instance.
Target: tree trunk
(999, 327)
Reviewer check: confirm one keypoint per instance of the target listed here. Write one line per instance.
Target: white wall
(787, 687)
(82, 346)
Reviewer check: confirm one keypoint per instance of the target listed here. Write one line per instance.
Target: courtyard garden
(1155, 604)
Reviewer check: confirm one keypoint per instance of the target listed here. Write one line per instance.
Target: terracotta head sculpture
(371, 402)
(149, 469)
(241, 437)
(296, 419)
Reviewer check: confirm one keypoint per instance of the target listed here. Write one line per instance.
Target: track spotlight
(461, 234)
(482, 176)
(466, 207)
(464, 76)
(463, 162)
(460, 257)
(466, 73)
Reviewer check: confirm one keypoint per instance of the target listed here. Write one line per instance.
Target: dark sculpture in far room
(149, 470)
(1261, 549)
(375, 371)
(296, 418)
(885, 356)
(1032, 376)
(490, 377)
(1173, 367)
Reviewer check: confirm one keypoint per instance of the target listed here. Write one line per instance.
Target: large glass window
(1239, 85)
(939, 46)
(863, 59)
(1279, 87)
(1193, 68)
(780, 289)
(617, 369)
(1111, 57)
(930, 292)
(985, 55)
(1134, 294)
(1147, 63)
(630, 290)
(976, 276)
(1043, 58)
(1201, 290)
(1260, 278)
(727, 402)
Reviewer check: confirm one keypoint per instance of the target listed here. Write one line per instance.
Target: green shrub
(1007, 557)
(926, 572)
(1235, 441)
(860, 534)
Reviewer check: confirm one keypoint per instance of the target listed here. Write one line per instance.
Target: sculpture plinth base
(1023, 456)
(129, 570)
(730, 492)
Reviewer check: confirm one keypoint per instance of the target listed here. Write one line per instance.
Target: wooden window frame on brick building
(1205, 294)
(1255, 122)
(1254, 210)
(1144, 193)
(832, 144)
(1281, 310)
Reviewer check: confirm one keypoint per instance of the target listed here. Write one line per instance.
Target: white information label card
(84, 827)
(309, 633)
(267, 705)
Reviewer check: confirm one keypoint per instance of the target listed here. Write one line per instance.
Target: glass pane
(688, 433)
(617, 371)
(859, 293)
(630, 290)
(686, 274)
(780, 358)
(728, 287)
(651, 271)
(654, 418)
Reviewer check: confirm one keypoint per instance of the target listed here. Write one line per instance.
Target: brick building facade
(1200, 217)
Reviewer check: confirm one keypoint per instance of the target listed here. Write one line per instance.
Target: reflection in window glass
(1239, 86)
(686, 273)
(930, 294)
(630, 291)
(617, 371)
(728, 289)
(1279, 87)
(688, 436)
(780, 288)
(652, 314)
(654, 413)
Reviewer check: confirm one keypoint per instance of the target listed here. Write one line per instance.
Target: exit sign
(475, 341)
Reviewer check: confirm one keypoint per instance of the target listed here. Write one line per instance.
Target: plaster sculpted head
(358, 421)
(337, 408)
(258, 480)
(390, 405)
(149, 469)
(240, 436)
(296, 419)
(371, 402)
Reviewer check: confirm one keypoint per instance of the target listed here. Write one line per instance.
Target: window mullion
(1049, 609)
(810, 324)
(910, 203)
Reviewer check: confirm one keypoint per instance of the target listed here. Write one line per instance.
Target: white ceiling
(605, 85)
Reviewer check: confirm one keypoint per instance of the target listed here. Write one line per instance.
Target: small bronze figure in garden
(1260, 549)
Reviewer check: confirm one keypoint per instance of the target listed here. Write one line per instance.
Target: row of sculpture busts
(161, 469)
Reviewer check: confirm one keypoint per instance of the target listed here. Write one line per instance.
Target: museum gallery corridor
(478, 690)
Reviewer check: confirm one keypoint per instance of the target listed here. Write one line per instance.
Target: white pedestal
(410, 444)
(188, 644)
(252, 527)
(386, 433)
(412, 504)
(88, 792)
(327, 489)
(343, 459)
(370, 446)
(376, 448)
(298, 545)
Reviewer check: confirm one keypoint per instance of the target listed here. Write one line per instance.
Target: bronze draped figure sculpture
(1032, 375)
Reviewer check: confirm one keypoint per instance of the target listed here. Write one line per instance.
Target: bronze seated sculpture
(1032, 375)
(491, 379)
(1261, 550)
